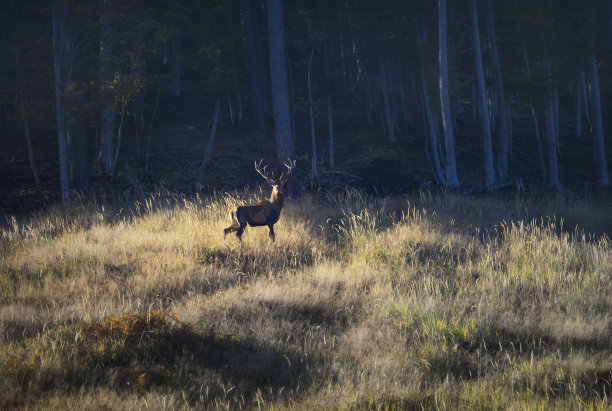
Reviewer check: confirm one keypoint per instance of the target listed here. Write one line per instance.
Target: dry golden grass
(431, 301)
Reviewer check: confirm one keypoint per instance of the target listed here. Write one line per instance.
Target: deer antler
(290, 165)
(262, 172)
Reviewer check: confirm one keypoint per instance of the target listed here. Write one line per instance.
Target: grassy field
(426, 301)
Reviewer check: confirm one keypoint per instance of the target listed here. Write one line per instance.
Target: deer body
(265, 212)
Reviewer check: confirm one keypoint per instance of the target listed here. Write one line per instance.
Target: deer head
(276, 183)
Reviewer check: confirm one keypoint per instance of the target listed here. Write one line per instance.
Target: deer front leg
(235, 224)
(241, 230)
(272, 235)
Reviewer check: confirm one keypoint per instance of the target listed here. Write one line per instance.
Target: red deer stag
(265, 212)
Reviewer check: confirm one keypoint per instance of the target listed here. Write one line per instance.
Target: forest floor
(364, 158)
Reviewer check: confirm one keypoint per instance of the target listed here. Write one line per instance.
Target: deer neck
(277, 198)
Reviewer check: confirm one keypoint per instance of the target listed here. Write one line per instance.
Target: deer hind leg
(235, 224)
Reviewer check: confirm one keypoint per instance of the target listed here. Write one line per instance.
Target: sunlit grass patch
(427, 301)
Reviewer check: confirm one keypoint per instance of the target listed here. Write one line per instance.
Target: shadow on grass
(540, 364)
(147, 351)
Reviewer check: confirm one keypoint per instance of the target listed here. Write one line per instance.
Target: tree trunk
(330, 123)
(585, 98)
(237, 97)
(500, 102)
(447, 123)
(578, 108)
(536, 126)
(482, 99)
(534, 115)
(78, 137)
(107, 115)
(385, 94)
(119, 138)
(24, 115)
(148, 149)
(211, 136)
(431, 131)
(63, 57)
(597, 124)
(176, 61)
(553, 165)
(279, 81)
(557, 124)
(509, 122)
(314, 174)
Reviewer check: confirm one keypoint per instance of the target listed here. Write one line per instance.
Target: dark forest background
(114, 97)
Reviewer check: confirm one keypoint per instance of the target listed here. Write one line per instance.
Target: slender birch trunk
(279, 81)
(598, 137)
(557, 124)
(62, 54)
(452, 179)
(553, 164)
(482, 99)
(431, 130)
(24, 115)
(107, 114)
(211, 136)
(536, 126)
(148, 148)
(578, 107)
(330, 123)
(119, 138)
(254, 66)
(500, 99)
(534, 115)
(585, 97)
(176, 61)
(385, 94)
(314, 174)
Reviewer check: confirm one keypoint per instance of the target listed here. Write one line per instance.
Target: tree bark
(211, 136)
(597, 124)
(482, 99)
(279, 81)
(452, 180)
(24, 115)
(578, 108)
(107, 115)
(330, 123)
(536, 126)
(148, 149)
(314, 174)
(385, 94)
(78, 141)
(553, 164)
(534, 115)
(63, 58)
(585, 97)
(431, 131)
(500, 103)
(176, 61)
(254, 63)
(119, 138)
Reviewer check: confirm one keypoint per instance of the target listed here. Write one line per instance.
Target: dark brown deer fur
(265, 212)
